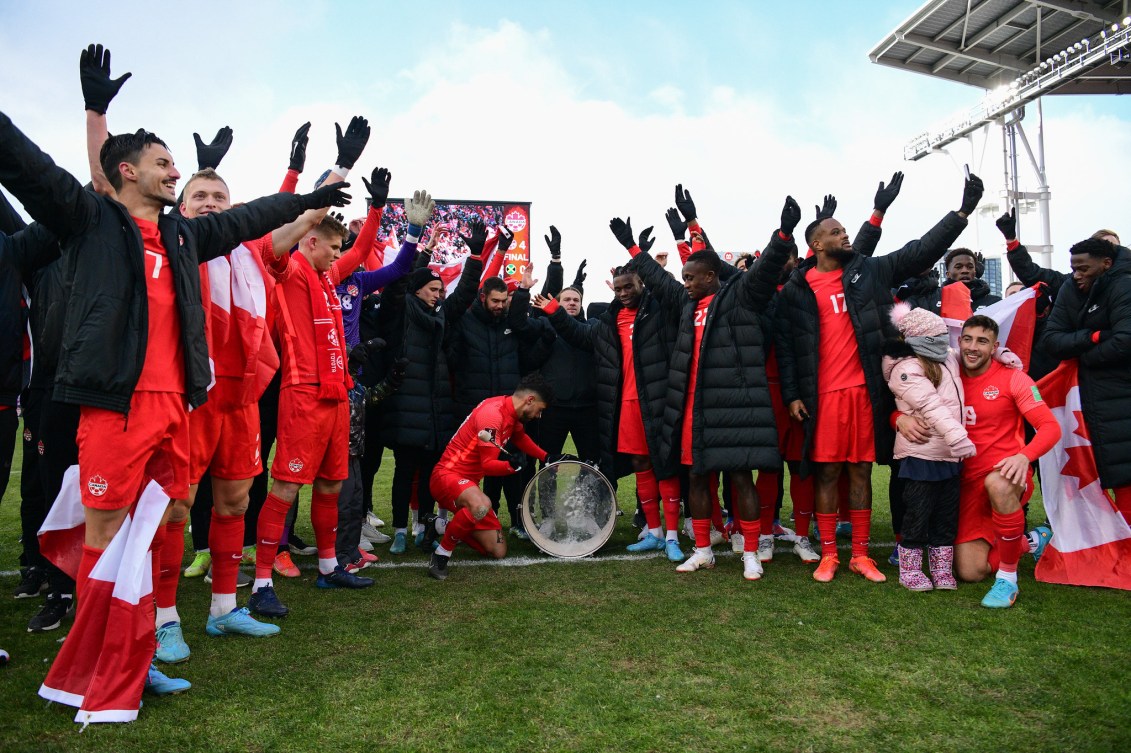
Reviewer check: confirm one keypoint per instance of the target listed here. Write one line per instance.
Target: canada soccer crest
(515, 221)
(353, 290)
(97, 485)
(332, 335)
(27, 435)
(295, 465)
(991, 393)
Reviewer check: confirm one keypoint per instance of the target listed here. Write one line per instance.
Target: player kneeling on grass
(473, 453)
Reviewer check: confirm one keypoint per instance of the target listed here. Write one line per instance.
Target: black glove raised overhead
(678, 226)
(886, 194)
(790, 216)
(378, 187)
(209, 155)
(684, 203)
(477, 239)
(554, 241)
(298, 147)
(352, 142)
(972, 191)
(94, 75)
(622, 230)
(827, 208)
(1007, 224)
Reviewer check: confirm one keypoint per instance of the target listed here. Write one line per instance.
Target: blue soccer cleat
(675, 554)
(266, 603)
(1002, 595)
(341, 578)
(1044, 535)
(158, 684)
(399, 543)
(171, 646)
(239, 622)
(650, 543)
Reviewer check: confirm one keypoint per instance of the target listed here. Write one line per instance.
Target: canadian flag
(1091, 543)
(102, 665)
(1016, 318)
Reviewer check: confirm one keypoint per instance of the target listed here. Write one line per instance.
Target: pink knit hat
(916, 322)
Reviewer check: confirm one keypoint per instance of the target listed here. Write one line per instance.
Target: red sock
(861, 531)
(670, 494)
(702, 529)
(648, 489)
(1010, 531)
(225, 541)
(750, 531)
(767, 487)
(90, 556)
(1123, 501)
(843, 514)
(324, 518)
(461, 524)
(801, 491)
(826, 528)
(172, 556)
(269, 532)
(155, 548)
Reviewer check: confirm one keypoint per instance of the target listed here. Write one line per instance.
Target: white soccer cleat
(765, 548)
(751, 566)
(373, 520)
(700, 558)
(716, 537)
(803, 548)
(737, 543)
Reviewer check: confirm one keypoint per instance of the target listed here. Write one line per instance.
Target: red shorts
(314, 437)
(630, 432)
(975, 516)
(118, 454)
(225, 435)
(446, 488)
(791, 434)
(844, 432)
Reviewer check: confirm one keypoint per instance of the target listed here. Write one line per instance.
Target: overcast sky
(587, 110)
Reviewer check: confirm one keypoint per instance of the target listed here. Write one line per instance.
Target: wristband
(875, 221)
(551, 307)
(1096, 337)
(414, 232)
(341, 172)
(1012, 245)
(784, 237)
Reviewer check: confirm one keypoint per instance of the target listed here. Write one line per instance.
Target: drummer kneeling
(476, 451)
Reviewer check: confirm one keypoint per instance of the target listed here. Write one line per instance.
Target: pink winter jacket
(940, 407)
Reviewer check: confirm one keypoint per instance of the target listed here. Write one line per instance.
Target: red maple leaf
(1081, 462)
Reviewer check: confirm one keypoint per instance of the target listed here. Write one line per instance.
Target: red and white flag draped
(1091, 543)
(1016, 318)
(450, 272)
(102, 665)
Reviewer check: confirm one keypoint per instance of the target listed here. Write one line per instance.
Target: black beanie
(420, 278)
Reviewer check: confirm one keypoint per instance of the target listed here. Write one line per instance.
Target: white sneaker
(765, 548)
(700, 558)
(373, 520)
(688, 530)
(365, 544)
(737, 543)
(803, 548)
(374, 536)
(751, 566)
(716, 537)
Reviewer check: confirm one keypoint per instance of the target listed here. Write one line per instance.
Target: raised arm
(297, 159)
(10, 220)
(419, 211)
(98, 89)
(210, 155)
(456, 304)
(668, 292)
(555, 275)
(1022, 264)
(760, 282)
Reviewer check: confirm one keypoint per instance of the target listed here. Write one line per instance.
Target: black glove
(338, 216)
(477, 239)
(379, 188)
(979, 264)
(678, 226)
(360, 353)
(1007, 224)
(332, 195)
(684, 203)
(558, 457)
(646, 242)
(885, 195)
(94, 75)
(351, 144)
(506, 237)
(397, 372)
(298, 148)
(209, 155)
(579, 278)
(790, 216)
(827, 208)
(972, 191)
(554, 241)
(517, 460)
(623, 231)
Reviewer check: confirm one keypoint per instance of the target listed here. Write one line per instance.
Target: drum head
(569, 509)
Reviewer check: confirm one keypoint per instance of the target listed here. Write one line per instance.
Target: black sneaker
(300, 547)
(32, 583)
(438, 566)
(51, 616)
(340, 578)
(428, 543)
(638, 520)
(264, 602)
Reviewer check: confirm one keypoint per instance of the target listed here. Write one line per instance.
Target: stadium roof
(989, 43)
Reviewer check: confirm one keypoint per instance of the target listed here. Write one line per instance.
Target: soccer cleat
(370, 557)
(158, 684)
(248, 555)
(671, 547)
(364, 544)
(50, 617)
(866, 566)
(803, 548)
(171, 646)
(1001, 595)
(200, 564)
(844, 529)
(356, 565)
(650, 543)
(716, 537)
(438, 566)
(1042, 534)
(431, 537)
(341, 578)
(782, 532)
(373, 520)
(765, 548)
(374, 536)
(826, 571)
(737, 543)
(520, 533)
(32, 583)
(751, 566)
(398, 546)
(699, 559)
(300, 547)
(285, 566)
(239, 622)
(264, 602)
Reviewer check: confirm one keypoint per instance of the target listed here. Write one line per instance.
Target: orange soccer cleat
(285, 566)
(866, 566)
(826, 571)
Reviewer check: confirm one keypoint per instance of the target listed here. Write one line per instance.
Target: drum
(569, 509)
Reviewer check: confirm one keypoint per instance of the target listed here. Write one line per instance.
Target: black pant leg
(917, 498)
(201, 514)
(943, 527)
(58, 427)
(896, 487)
(33, 502)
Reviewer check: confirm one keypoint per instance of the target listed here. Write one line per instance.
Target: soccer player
(473, 454)
(831, 321)
(962, 265)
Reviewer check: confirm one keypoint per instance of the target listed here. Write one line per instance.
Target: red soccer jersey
(837, 352)
(626, 319)
(996, 402)
(693, 376)
(467, 456)
(164, 368)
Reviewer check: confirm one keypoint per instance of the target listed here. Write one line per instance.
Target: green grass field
(620, 654)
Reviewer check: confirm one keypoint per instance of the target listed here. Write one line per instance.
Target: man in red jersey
(474, 453)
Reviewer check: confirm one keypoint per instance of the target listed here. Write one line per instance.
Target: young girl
(923, 373)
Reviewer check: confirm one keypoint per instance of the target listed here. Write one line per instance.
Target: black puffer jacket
(867, 291)
(654, 331)
(106, 324)
(980, 296)
(1029, 273)
(733, 419)
(1105, 367)
(570, 371)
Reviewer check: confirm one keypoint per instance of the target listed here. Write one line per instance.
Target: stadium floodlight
(1127, 20)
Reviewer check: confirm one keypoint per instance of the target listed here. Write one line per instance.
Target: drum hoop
(532, 529)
